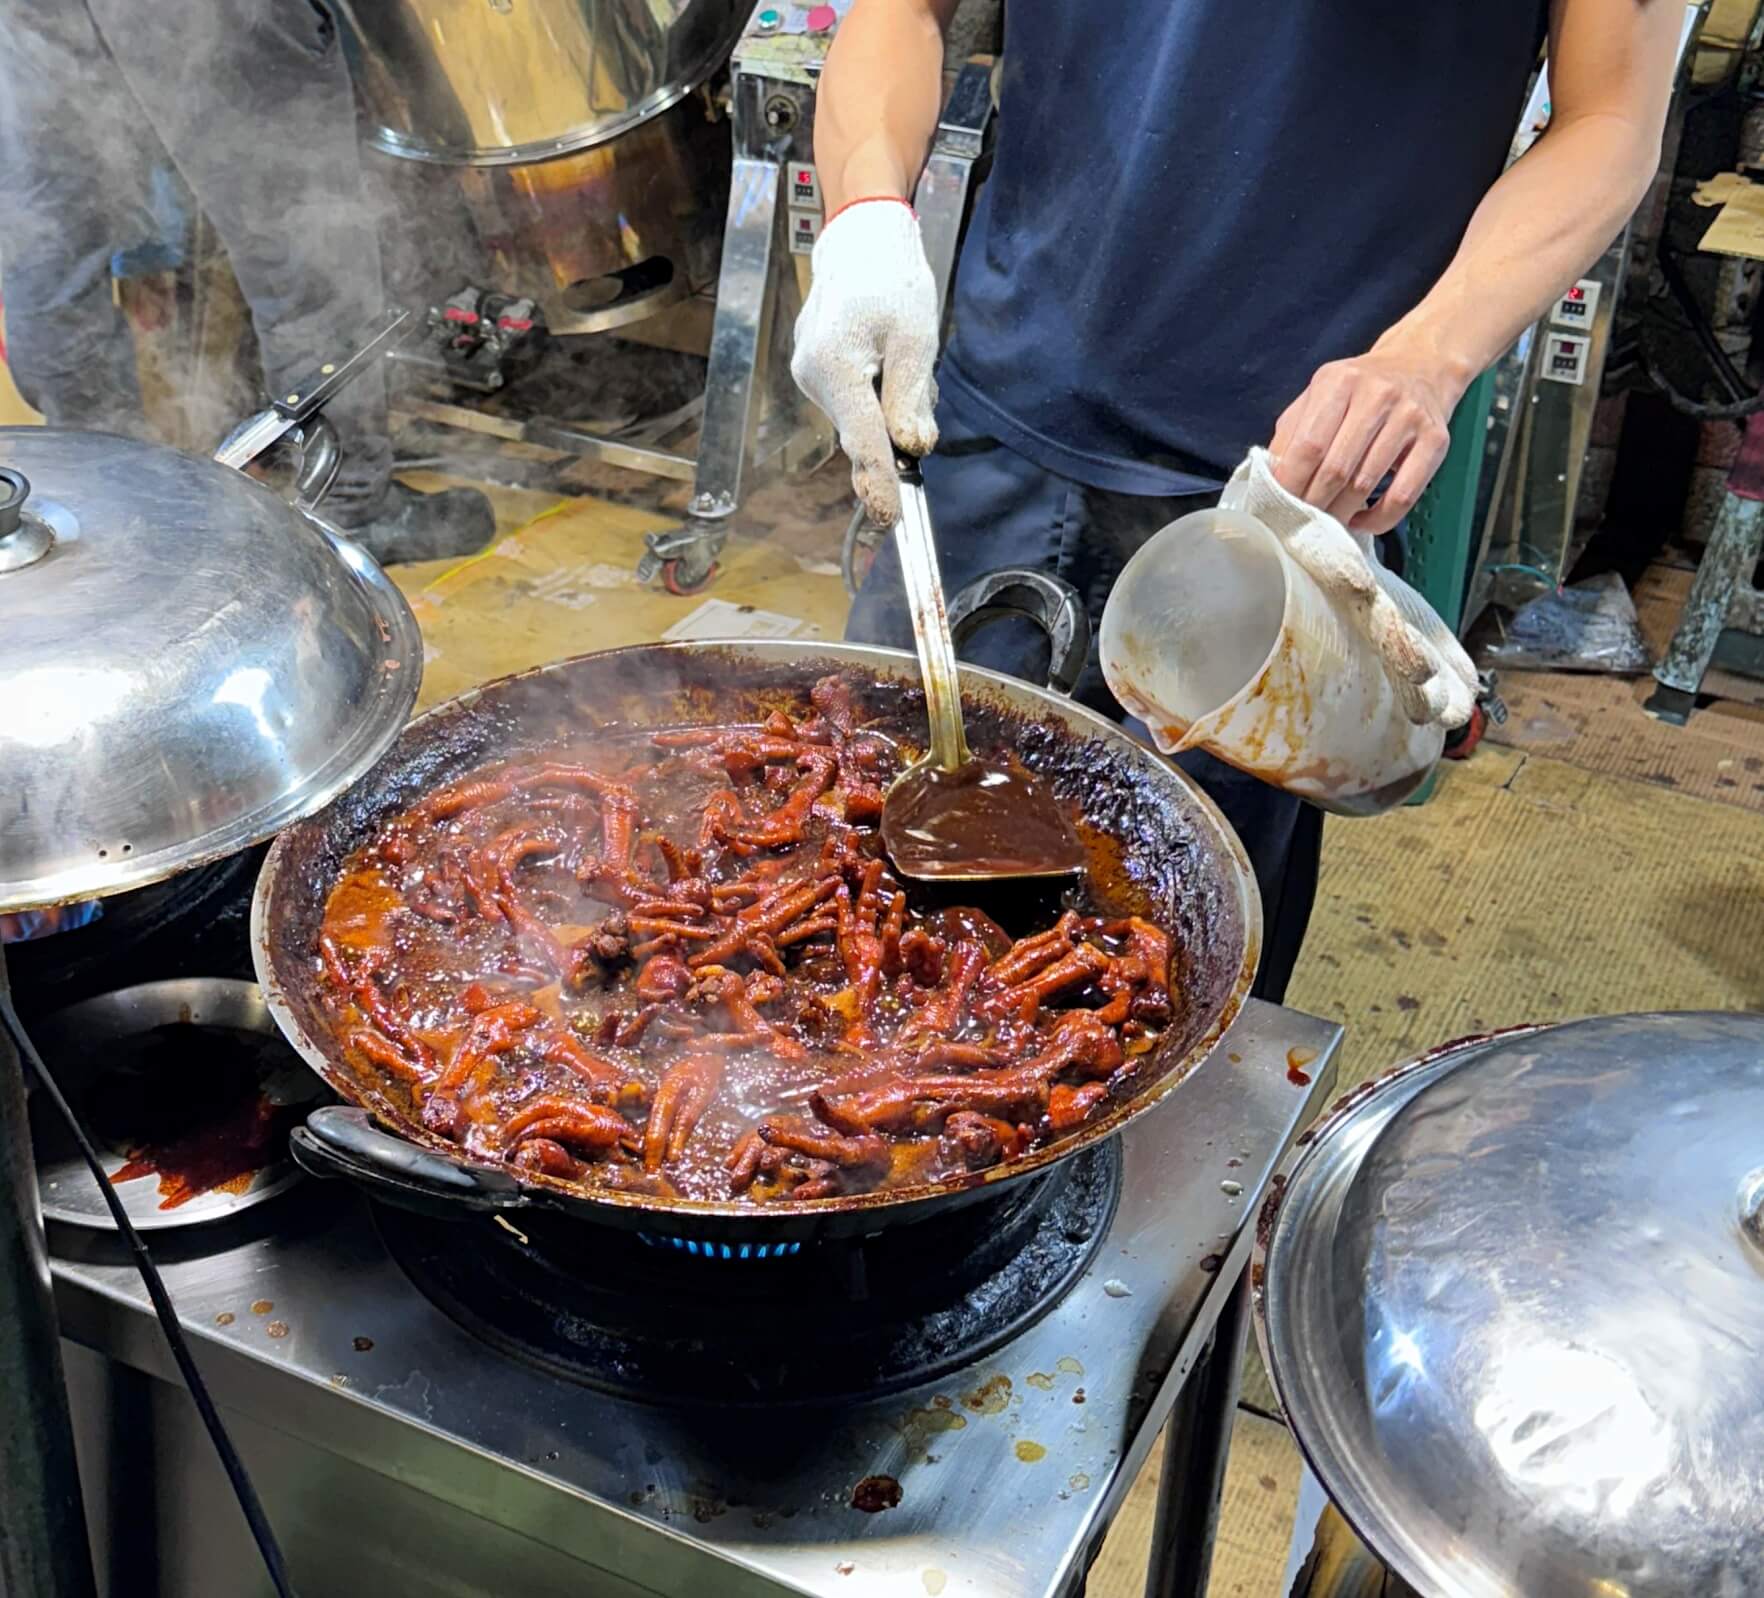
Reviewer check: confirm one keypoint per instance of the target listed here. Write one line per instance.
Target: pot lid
(189, 664)
(1513, 1303)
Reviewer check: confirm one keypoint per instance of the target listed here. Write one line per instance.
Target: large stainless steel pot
(595, 182)
(1511, 1298)
(1171, 857)
(606, 236)
(505, 82)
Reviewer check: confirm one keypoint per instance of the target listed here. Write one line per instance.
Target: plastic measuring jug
(1218, 640)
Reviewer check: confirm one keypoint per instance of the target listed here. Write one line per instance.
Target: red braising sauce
(187, 1103)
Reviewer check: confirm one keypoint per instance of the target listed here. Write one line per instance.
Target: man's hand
(1429, 672)
(1540, 226)
(1361, 419)
(872, 311)
(873, 308)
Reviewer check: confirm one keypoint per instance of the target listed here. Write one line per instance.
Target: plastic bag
(1588, 626)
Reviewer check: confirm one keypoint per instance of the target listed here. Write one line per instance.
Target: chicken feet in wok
(677, 962)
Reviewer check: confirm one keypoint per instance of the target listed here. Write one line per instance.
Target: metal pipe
(1729, 377)
(44, 1551)
(632, 456)
(745, 302)
(941, 198)
(1196, 1441)
(560, 436)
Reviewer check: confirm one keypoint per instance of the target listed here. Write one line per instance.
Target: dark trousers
(992, 508)
(249, 101)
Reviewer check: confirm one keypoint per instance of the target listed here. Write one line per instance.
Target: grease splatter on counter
(919, 1427)
(875, 1493)
(991, 1397)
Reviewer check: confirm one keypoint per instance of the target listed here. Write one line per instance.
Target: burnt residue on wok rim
(1157, 848)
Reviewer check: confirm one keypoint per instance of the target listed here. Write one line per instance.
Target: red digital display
(1575, 293)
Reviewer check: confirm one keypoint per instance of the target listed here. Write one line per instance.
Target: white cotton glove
(872, 309)
(1427, 667)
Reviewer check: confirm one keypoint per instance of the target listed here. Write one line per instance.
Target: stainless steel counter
(397, 1454)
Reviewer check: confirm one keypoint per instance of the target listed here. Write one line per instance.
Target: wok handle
(1052, 603)
(321, 457)
(340, 1140)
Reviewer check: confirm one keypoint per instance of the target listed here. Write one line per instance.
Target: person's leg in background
(73, 164)
(992, 507)
(252, 98)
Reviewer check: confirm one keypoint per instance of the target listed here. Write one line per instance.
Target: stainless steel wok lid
(186, 664)
(1513, 1303)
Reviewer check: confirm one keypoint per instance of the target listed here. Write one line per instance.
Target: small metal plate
(76, 1042)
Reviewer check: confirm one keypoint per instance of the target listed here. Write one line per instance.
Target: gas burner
(835, 1321)
(193, 924)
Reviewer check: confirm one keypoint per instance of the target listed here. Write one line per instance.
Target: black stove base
(831, 1323)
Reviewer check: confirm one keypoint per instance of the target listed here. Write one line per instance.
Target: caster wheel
(676, 578)
(1461, 745)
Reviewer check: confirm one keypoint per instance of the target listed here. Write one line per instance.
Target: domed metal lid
(1513, 1303)
(186, 664)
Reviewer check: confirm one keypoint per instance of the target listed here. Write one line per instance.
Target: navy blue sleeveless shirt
(1195, 203)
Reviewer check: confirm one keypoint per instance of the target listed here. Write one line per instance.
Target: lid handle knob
(1751, 1209)
(24, 540)
(15, 489)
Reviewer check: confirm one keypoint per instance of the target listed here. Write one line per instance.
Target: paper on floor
(1738, 228)
(717, 618)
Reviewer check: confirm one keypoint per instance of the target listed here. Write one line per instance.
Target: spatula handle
(924, 590)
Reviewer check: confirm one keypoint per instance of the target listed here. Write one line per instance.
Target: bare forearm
(1548, 218)
(876, 112)
(1385, 415)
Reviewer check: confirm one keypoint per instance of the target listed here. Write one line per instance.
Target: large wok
(1159, 849)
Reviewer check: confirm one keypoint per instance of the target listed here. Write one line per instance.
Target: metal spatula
(949, 816)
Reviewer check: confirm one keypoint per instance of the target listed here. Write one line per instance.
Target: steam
(227, 132)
